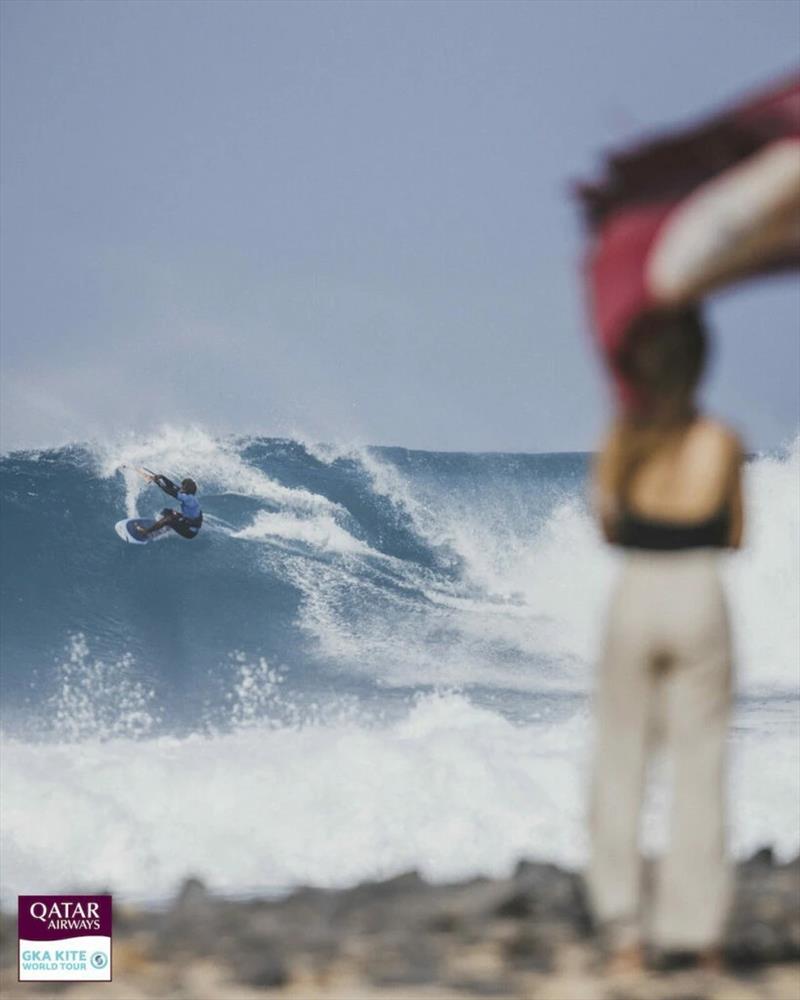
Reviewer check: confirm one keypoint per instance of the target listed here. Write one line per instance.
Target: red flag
(692, 211)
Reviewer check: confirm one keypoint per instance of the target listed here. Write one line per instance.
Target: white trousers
(665, 672)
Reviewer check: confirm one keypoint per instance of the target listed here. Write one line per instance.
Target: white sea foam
(451, 789)
(764, 578)
(492, 625)
(527, 609)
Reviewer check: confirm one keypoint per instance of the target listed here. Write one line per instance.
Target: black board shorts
(185, 527)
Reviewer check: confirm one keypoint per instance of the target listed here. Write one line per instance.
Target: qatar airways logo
(64, 938)
(67, 916)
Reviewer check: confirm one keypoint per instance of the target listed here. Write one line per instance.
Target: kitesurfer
(186, 522)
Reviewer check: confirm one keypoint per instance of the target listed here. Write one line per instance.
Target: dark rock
(8, 939)
(584, 918)
(547, 893)
(399, 885)
(523, 867)
(403, 974)
(765, 922)
(199, 924)
(530, 949)
(260, 970)
(306, 896)
(414, 968)
(517, 906)
(674, 961)
(476, 880)
(192, 895)
(403, 932)
(764, 857)
(757, 943)
(482, 987)
(369, 893)
(474, 902)
(687, 996)
(446, 923)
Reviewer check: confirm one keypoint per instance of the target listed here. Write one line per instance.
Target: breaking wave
(367, 656)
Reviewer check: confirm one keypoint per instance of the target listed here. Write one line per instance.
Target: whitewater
(370, 660)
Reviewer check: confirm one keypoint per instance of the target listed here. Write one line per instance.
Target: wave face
(368, 656)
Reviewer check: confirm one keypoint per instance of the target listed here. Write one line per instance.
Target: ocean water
(371, 659)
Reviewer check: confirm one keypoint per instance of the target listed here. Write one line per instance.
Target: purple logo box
(51, 918)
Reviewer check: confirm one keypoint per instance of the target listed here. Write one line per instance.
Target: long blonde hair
(663, 361)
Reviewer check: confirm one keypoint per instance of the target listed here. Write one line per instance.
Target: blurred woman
(667, 490)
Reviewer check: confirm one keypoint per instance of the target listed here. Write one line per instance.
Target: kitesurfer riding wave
(186, 522)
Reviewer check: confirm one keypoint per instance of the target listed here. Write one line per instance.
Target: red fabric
(642, 187)
(778, 107)
(616, 270)
(617, 288)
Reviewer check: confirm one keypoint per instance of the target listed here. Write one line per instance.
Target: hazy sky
(350, 221)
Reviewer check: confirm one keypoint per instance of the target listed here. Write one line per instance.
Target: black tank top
(636, 532)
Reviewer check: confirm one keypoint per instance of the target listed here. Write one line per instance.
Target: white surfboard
(130, 530)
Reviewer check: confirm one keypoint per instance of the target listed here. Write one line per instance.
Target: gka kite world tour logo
(65, 938)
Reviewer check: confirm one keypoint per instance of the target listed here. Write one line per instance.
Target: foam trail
(321, 532)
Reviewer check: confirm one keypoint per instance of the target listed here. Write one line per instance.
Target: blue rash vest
(190, 505)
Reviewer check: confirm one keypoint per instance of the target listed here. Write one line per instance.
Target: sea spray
(452, 789)
(97, 699)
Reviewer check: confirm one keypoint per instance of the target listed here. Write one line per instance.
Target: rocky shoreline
(527, 936)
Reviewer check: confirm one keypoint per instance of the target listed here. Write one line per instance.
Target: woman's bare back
(689, 477)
